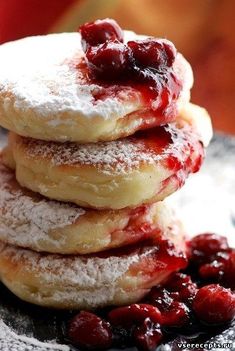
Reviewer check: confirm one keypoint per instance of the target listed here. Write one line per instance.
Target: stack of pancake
(83, 223)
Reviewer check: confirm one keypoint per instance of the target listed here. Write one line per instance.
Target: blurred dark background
(201, 29)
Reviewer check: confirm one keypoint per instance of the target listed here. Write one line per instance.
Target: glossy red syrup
(136, 229)
(177, 152)
(146, 66)
(159, 255)
(177, 149)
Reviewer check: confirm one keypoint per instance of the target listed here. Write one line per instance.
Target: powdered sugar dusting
(63, 280)
(10, 341)
(80, 272)
(45, 83)
(31, 216)
(119, 156)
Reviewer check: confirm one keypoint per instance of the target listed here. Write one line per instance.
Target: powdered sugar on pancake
(81, 271)
(44, 81)
(31, 217)
(118, 156)
(96, 280)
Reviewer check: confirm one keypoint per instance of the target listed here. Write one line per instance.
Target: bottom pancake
(30, 220)
(116, 277)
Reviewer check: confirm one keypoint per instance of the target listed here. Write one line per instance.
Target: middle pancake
(29, 220)
(140, 169)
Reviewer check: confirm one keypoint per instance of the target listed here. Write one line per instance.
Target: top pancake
(45, 93)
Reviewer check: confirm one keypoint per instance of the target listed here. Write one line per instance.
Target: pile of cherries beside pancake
(199, 298)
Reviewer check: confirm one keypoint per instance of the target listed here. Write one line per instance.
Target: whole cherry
(134, 314)
(99, 32)
(109, 60)
(161, 298)
(182, 283)
(176, 316)
(148, 336)
(214, 304)
(89, 331)
(152, 53)
(212, 271)
(205, 246)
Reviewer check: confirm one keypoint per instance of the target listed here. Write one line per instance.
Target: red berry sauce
(186, 302)
(136, 229)
(179, 150)
(144, 65)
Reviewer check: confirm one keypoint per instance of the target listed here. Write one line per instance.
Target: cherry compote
(212, 259)
(178, 304)
(146, 65)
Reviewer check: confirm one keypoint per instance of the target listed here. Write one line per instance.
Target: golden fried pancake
(140, 169)
(45, 93)
(31, 221)
(84, 282)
